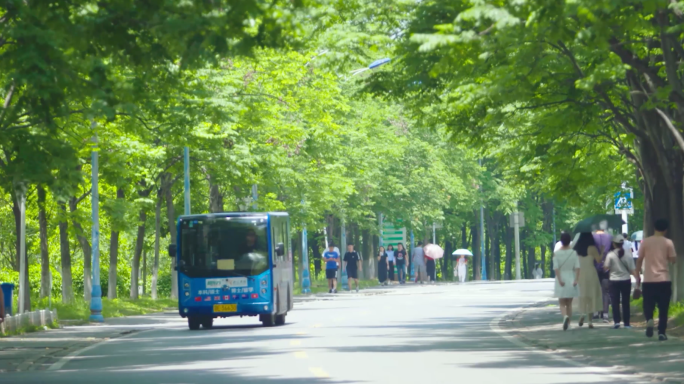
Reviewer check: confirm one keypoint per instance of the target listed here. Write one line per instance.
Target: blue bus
(234, 264)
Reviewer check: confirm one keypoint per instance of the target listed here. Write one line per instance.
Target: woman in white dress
(462, 266)
(566, 264)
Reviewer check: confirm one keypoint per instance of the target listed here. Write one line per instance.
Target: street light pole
(186, 181)
(344, 279)
(23, 281)
(306, 280)
(96, 289)
(516, 232)
(482, 234)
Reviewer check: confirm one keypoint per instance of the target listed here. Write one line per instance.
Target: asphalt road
(415, 335)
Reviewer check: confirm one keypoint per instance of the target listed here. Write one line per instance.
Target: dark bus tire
(193, 323)
(208, 322)
(280, 319)
(268, 320)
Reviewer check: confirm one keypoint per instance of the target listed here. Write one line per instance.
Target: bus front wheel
(280, 319)
(193, 323)
(268, 320)
(207, 322)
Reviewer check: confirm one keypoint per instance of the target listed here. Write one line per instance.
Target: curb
(503, 324)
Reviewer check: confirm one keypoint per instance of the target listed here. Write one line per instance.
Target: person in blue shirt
(331, 259)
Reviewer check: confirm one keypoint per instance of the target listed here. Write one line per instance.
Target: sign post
(623, 205)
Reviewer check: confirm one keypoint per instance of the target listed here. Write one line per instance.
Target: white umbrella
(462, 252)
(638, 236)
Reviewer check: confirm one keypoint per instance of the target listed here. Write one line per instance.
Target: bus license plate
(225, 307)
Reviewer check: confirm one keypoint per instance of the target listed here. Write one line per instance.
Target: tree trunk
(65, 255)
(157, 235)
(476, 252)
(508, 274)
(167, 184)
(448, 263)
(139, 243)
(85, 247)
(464, 237)
(144, 271)
(17, 230)
(114, 256)
(215, 198)
(17, 220)
(366, 253)
(532, 258)
(523, 260)
(44, 256)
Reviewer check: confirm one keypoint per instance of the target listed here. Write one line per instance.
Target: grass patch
(321, 286)
(676, 312)
(80, 309)
(29, 329)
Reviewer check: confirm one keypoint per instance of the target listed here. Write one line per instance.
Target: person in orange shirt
(654, 254)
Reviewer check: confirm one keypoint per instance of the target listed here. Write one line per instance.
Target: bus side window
(286, 241)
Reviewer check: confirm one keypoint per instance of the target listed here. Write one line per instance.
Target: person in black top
(352, 261)
(400, 257)
(382, 266)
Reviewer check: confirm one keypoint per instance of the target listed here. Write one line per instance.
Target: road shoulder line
(70, 356)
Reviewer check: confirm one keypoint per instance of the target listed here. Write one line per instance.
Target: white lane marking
(494, 325)
(301, 355)
(65, 359)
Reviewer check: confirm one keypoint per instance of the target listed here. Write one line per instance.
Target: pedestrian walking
(537, 272)
(400, 257)
(590, 299)
(430, 266)
(390, 262)
(566, 264)
(418, 259)
(654, 254)
(462, 268)
(382, 266)
(604, 242)
(620, 267)
(352, 262)
(331, 259)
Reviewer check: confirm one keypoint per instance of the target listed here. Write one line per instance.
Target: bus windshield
(223, 246)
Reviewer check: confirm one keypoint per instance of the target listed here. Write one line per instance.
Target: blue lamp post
(96, 289)
(343, 248)
(306, 279)
(186, 179)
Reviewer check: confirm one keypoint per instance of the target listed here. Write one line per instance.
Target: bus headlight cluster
(187, 293)
(264, 283)
(263, 291)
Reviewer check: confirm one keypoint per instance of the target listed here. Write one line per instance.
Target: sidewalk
(628, 351)
(39, 350)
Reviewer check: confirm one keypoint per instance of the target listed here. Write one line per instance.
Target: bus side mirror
(280, 249)
(172, 250)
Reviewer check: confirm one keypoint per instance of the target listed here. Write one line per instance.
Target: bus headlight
(263, 291)
(185, 310)
(187, 293)
(264, 283)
